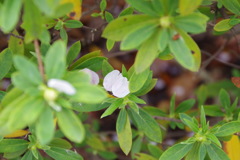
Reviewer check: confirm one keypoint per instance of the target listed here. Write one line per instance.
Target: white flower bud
(61, 86)
(116, 83)
(93, 75)
(50, 94)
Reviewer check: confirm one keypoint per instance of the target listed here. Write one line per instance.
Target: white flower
(61, 86)
(116, 83)
(93, 75)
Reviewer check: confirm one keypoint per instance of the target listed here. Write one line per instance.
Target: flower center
(50, 94)
(165, 22)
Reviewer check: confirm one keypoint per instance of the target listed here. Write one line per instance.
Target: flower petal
(93, 75)
(61, 86)
(110, 79)
(120, 89)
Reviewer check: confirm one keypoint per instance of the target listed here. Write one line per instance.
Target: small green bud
(165, 22)
(50, 94)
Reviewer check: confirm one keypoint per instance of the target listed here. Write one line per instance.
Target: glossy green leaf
(106, 68)
(32, 21)
(214, 139)
(155, 150)
(228, 129)
(182, 53)
(147, 53)
(187, 120)
(126, 11)
(176, 152)
(103, 5)
(135, 38)
(45, 126)
(63, 154)
(89, 94)
(233, 6)
(13, 145)
(55, 60)
(61, 143)
(5, 62)
(85, 58)
(224, 98)
(185, 106)
(108, 16)
(192, 23)
(110, 44)
(187, 6)
(137, 81)
(10, 12)
(147, 124)
(71, 125)
(216, 153)
(143, 6)
(223, 25)
(73, 52)
(195, 50)
(73, 24)
(28, 69)
(117, 103)
(119, 28)
(28, 156)
(124, 131)
(16, 45)
(143, 156)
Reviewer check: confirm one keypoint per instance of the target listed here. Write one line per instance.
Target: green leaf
(85, 58)
(216, 153)
(182, 53)
(73, 52)
(108, 16)
(187, 6)
(176, 152)
(143, 156)
(71, 125)
(213, 110)
(13, 145)
(106, 68)
(224, 98)
(153, 111)
(126, 11)
(73, 24)
(55, 60)
(32, 21)
(64, 35)
(203, 120)
(27, 69)
(2, 94)
(63, 154)
(233, 6)
(28, 110)
(10, 12)
(45, 38)
(45, 126)
(135, 38)
(147, 124)
(46, 6)
(147, 53)
(16, 45)
(89, 107)
(143, 6)
(154, 150)
(5, 62)
(28, 156)
(110, 44)
(228, 129)
(172, 105)
(191, 44)
(164, 37)
(137, 81)
(192, 23)
(135, 99)
(223, 25)
(63, 9)
(116, 104)
(90, 94)
(124, 131)
(119, 28)
(194, 153)
(61, 143)
(136, 146)
(187, 120)
(185, 106)
(103, 5)
(214, 139)
(13, 155)
(108, 155)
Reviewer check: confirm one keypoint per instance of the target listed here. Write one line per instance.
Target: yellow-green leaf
(188, 6)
